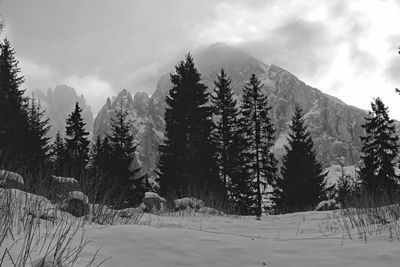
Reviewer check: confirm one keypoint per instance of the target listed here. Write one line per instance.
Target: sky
(346, 48)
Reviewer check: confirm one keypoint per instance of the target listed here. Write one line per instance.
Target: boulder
(11, 180)
(329, 204)
(16, 201)
(76, 203)
(62, 186)
(142, 206)
(153, 202)
(188, 202)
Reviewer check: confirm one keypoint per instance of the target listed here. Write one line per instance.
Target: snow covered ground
(285, 240)
(298, 239)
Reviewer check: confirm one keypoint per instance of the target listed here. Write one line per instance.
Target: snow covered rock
(327, 205)
(11, 180)
(22, 203)
(184, 203)
(62, 186)
(76, 203)
(64, 180)
(153, 202)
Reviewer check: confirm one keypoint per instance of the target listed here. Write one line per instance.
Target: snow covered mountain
(335, 126)
(59, 103)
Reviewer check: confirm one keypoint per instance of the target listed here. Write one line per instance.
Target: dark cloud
(298, 45)
(308, 48)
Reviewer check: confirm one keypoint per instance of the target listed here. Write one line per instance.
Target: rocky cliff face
(144, 131)
(59, 103)
(335, 126)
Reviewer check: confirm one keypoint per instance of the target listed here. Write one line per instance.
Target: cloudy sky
(346, 48)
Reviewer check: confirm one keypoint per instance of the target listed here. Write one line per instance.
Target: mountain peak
(221, 55)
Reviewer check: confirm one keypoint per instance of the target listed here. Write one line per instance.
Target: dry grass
(364, 223)
(32, 230)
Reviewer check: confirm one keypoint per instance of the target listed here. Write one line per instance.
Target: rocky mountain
(59, 103)
(146, 135)
(335, 126)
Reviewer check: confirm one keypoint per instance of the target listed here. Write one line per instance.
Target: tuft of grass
(34, 230)
(369, 216)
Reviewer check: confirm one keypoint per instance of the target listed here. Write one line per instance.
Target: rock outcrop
(330, 204)
(146, 135)
(11, 180)
(188, 202)
(76, 203)
(153, 202)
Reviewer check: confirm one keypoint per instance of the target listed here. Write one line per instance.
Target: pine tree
(38, 129)
(226, 113)
(379, 151)
(122, 156)
(58, 152)
(100, 155)
(230, 145)
(187, 157)
(259, 135)
(100, 165)
(302, 185)
(77, 143)
(150, 145)
(13, 116)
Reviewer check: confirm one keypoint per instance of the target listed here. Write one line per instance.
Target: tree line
(215, 146)
(105, 166)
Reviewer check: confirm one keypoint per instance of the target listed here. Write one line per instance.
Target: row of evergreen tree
(214, 146)
(108, 160)
(105, 166)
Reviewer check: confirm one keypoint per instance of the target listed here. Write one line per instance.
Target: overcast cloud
(347, 48)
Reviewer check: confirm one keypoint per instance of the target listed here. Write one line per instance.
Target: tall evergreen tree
(302, 185)
(226, 114)
(38, 129)
(77, 143)
(100, 154)
(187, 157)
(13, 116)
(100, 165)
(259, 135)
(58, 153)
(121, 158)
(380, 150)
(230, 145)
